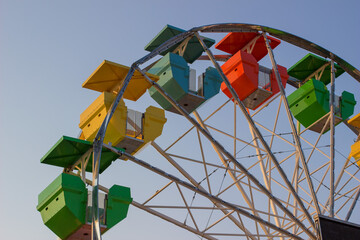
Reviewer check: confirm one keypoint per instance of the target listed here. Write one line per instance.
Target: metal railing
(264, 80)
(134, 125)
(102, 208)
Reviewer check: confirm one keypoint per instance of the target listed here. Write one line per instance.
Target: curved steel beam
(285, 36)
(225, 27)
(97, 147)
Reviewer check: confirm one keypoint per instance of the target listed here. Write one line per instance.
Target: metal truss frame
(289, 216)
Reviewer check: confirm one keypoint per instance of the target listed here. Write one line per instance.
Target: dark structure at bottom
(334, 229)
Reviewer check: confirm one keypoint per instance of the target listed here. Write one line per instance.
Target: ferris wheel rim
(245, 27)
(292, 39)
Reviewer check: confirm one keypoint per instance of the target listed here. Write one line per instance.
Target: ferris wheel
(243, 150)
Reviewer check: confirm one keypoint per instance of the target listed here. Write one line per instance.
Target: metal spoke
(201, 192)
(239, 187)
(193, 181)
(292, 125)
(353, 205)
(261, 139)
(332, 138)
(226, 153)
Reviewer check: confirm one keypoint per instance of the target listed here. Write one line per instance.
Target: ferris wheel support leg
(266, 146)
(293, 128)
(97, 148)
(332, 138)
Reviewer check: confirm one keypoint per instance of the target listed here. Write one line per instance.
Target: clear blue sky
(48, 48)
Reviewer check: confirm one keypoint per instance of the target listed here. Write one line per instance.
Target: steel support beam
(173, 221)
(97, 148)
(353, 205)
(205, 194)
(285, 36)
(231, 173)
(226, 153)
(266, 180)
(293, 127)
(158, 214)
(332, 137)
(196, 184)
(338, 179)
(265, 145)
